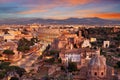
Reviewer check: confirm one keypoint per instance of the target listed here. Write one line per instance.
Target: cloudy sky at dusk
(59, 9)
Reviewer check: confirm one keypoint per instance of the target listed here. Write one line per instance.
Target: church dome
(97, 66)
(97, 62)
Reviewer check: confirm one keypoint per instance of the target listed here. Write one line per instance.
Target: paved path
(27, 62)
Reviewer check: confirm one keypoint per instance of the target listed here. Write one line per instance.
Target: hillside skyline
(87, 21)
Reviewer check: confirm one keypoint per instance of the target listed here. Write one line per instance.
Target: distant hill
(89, 21)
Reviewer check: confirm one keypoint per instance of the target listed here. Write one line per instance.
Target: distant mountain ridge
(89, 21)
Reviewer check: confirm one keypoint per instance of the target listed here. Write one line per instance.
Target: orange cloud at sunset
(76, 2)
(107, 15)
(38, 9)
(32, 11)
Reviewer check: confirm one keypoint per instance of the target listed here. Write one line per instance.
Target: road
(27, 61)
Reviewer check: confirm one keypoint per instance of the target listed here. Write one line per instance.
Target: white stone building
(106, 44)
(86, 43)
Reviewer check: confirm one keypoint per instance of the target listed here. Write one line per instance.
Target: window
(101, 73)
(95, 73)
(89, 72)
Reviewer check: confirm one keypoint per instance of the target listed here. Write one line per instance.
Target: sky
(59, 9)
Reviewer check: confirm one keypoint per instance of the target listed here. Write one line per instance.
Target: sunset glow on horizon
(59, 9)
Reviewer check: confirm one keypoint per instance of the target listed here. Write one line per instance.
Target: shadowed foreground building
(91, 68)
(98, 70)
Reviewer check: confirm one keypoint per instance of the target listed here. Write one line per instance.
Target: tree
(59, 60)
(0, 55)
(23, 48)
(52, 52)
(20, 71)
(2, 74)
(4, 65)
(23, 42)
(34, 40)
(118, 55)
(17, 69)
(23, 45)
(72, 66)
(14, 78)
(51, 60)
(55, 53)
(118, 64)
(8, 53)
